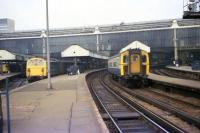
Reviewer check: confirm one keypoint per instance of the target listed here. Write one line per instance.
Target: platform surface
(67, 108)
(6, 75)
(176, 81)
(183, 68)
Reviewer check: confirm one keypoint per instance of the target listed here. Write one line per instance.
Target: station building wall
(160, 41)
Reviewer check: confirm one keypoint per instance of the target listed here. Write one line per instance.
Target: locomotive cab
(4, 68)
(36, 68)
(134, 63)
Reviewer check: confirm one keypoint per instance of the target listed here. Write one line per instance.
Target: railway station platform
(185, 72)
(194, 85)
(183, 68)
(67, 108)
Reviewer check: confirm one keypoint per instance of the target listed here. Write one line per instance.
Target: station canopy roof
(78, 51)
(85, 30)
(136, 45)
(9, 56)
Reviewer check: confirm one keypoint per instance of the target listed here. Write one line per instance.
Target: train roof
(33, 58)
(44, 59)
(136, 45)
(78, 51)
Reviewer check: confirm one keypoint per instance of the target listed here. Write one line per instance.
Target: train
(13, 67)
(36, 68)
(131, 66)
(4, 68)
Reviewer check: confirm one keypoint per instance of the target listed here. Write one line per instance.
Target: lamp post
(175, 26)
(43, 35)
(97, 32)
(48, 52)
(75, 61)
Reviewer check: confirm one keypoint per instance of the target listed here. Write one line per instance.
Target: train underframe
(35, 78)
(133, 81)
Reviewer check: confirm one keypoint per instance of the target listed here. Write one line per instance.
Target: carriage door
(135, 63)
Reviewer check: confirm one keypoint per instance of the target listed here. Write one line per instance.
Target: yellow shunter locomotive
(36, 68)
(131, 65)
(4, 68)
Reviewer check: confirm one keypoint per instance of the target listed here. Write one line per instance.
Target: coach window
(115, 64)
(125, 59)
(110, 64)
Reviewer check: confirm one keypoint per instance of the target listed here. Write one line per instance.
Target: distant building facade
(7, 25)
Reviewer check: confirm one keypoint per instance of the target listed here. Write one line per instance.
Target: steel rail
(127, 104)
(110, 116)
(131, 106)
(164, 123)
(174, 110)
(173, 98)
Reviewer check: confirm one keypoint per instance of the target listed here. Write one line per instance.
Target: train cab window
(144, 58)
(40, 62)
(125, 59)
(30, 63)
(135, 58)
(36, 63)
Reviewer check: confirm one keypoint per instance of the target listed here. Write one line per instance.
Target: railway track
(14, 81)
(122, 114)
(181, 109)
(185, 110)
(189, 101)
(17, 83)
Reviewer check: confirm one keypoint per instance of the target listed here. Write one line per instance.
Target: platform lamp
(175, 26)
(48, 51)
(43, 36)
(75, 60)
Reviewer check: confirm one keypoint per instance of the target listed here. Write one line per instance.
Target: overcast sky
(30, 14)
